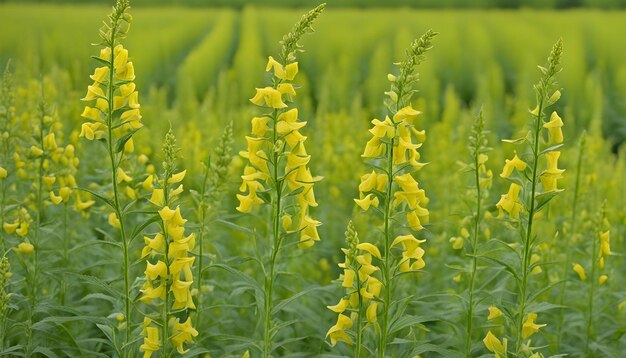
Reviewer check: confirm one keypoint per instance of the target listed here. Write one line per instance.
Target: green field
(197, 68)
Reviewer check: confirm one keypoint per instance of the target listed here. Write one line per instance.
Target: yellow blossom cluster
(362, 289)
(276, 153)
(168, 264)
(113, 89)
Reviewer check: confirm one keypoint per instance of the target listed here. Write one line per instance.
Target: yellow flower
(552, 173)
(259, 126)
(372, 181)
(308, 232)
(285, 73)
(367, 201)
(3, 173)
(183, 333)
(153, 245)
(151, 342)
(182, 296)
(494, 312)
(605, 246)
(269, 97)
(25, 248)
(602, 279)
(370, 314)
(156, 270)
(114, 221)
(93, 92)
(337, 333)
(177, 178)
(509, 202)
(493, 344)
(580, 271)
(56, 199)
(339, 307)
(412, 253)
(348, 278)
(457, 242)
(382, 129)
(372, 249)
(406, 115)
(158, 197)
(530, 327)
(554, 128)
(99, 75)
(509, 165)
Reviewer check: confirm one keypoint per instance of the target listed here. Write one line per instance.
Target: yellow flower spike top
(530, 327)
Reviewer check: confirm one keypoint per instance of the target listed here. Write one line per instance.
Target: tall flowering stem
(113, 116)
(7, 115)
(362, 291)
(531, 190)
(482, 178)
(277, 169)
(394, 157)
(169, 265)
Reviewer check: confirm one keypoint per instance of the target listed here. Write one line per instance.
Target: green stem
(470, 312)
(590, 302)
(568, 251)
(203, 218)
(527, 240)
(166, 312)
(116, 198)
(359, 320)
(387, 259)
(65, 253)
(276, 241)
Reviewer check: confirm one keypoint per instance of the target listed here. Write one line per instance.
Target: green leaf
(247, 280)
(102, 61)
(107, 201)
(119, 146)
(45, 351)
(507, 266)
(287, 301)
(551, 149)
(544, 198)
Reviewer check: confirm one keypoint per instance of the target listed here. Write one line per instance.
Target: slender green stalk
(592, 286)
(527, 249)
(359, 320)
(474, 263)
(116, 195)
(203, 224)
(387, 255)
(276, 243)
(166, 300)
(65, 253)
(572, 232)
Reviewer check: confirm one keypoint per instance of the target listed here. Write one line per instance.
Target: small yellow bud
(25, 248)
(49, 180)
(3, 173)
(602, 279)
(36, 151)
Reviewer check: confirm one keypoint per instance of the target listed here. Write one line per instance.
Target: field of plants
(326, 182)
